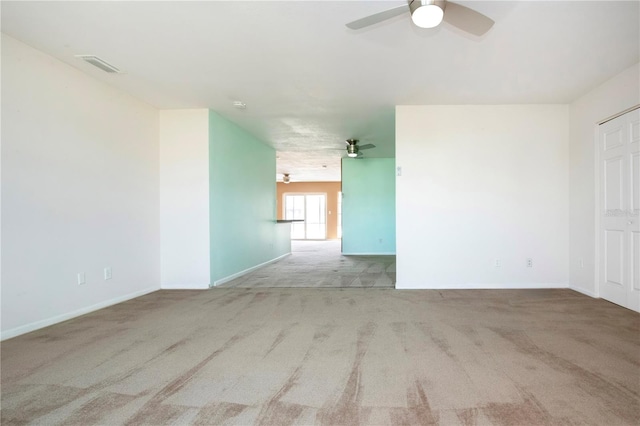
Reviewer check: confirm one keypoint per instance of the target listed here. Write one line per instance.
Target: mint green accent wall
(242, 176)
(368, 206)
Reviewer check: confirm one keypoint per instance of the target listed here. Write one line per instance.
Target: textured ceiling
(317, 165)
(310, 83)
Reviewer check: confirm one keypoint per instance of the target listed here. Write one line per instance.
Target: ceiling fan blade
(467, 19)
(367, 146)
(377, 17)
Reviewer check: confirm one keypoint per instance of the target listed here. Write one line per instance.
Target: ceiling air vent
(100, 63)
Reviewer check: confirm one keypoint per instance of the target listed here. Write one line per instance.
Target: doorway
(619, 200)
(312, 208)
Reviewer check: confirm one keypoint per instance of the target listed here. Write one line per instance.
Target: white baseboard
(483, 286)
(583, 291)
(246, 271)
(23, 329)
(174, 286)
(369, 254)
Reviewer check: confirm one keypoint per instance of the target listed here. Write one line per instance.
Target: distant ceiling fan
(353, 149)
(430, 13)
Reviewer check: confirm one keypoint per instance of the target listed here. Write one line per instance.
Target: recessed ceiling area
(309, 82)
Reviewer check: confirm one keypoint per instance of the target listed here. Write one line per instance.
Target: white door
(619, 145)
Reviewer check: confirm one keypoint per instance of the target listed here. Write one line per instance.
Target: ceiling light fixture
(239, 105)
(425, 13)
(286, 178)
(352, 150)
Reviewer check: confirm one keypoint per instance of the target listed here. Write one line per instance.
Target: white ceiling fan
(430, 13)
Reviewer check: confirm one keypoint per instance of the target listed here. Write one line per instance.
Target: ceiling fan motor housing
(414, 4)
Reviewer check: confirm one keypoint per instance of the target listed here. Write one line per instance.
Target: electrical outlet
(529, 262)
(82, 279)
(107, 273)
(497, 263)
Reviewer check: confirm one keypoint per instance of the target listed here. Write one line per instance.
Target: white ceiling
(310, 83)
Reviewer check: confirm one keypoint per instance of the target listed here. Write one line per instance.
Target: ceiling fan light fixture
(352, 150)
(286, 178)
(426, 14)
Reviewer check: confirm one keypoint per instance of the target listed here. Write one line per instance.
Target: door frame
(598, 204)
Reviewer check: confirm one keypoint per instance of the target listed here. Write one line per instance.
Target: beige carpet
(331, 356)
(321, 264)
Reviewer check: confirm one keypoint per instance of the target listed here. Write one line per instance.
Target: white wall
(184, 198)
(612, 97)
(481, 183)
(79, 192)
